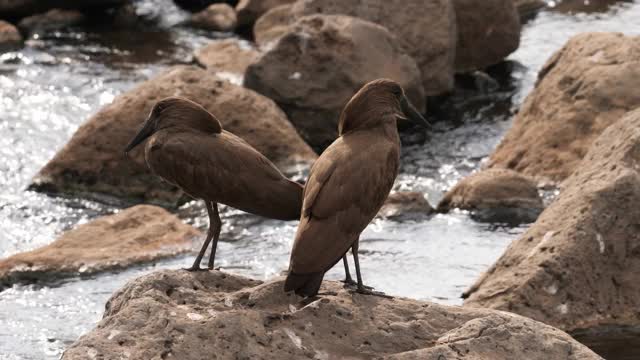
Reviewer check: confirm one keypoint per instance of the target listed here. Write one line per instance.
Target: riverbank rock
(250, 10)
(10, 37)
(425, 30)
(92, 162)
(405, 205)
(228, 58)
(488, 31)
(199, 314)
(269, 27)
(528, 8)
(136, 235)
(53, 19)
(11, 9)
(216, 17)
(315, 68)
(495, 195)
(583, 88)
(578, 266)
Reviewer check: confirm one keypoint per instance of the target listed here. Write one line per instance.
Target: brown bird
(348, 184)
(189, 148)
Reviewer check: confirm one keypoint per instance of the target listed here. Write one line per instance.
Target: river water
(59, 79)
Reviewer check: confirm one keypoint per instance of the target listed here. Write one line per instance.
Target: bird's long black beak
(412, 114)
(146, 131)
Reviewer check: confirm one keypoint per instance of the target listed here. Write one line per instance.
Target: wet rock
(528, 8)
(53, 19)
(583, 88)
(199, 314)
(496, 195)
(403, 205)
(577, 267)
(10, 37)
(488, 31)
(227, 58)
(136, 235)
(426, 30)
(92, 163)
(216, 17)
(315, 68)
(250, 10)
(22, 8)
(199, 5)
(583, 6)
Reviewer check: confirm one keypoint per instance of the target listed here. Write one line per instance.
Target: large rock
(92, 161)
(495, 195)
(272, 25)
(227, 58)
(136, 235)
(53, 19)
(585, 87)
(21, 8)
(578, 266)
(404, 205)
(424, 29)
(216, 17)
(488, 31)
(250, 10)
(314, 69)
(214, 314)
(10, 37)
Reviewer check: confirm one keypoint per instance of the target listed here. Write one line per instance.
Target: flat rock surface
(227, 58)
(181, 315)
(136, 235)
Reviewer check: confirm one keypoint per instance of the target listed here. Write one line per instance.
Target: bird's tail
(306, 285)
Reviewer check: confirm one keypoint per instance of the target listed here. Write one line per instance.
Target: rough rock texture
(51, 20)
(138, 234)
(405, 204)
(93, 162)
(214, 314)
(424, 29)
(578, 266)
(10, 37)
(250, 10)
(495, 194)
(216, 17)
(21, 8)
(321, 62)
(227, 58)
(585, 87)
(488, 31)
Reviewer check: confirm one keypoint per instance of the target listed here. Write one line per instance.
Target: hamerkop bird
(189, 148)
(348, 184)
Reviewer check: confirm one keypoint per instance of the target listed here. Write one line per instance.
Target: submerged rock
(92, 162)
(496, 195)
(584, 88)
(136, 235)
(53, 19)
(405, 205)
(216, 17)
(227, 58)
(322, 60)
(205, 314)
(10, 37)
(578, 266)
(250, 10)
(488, 31)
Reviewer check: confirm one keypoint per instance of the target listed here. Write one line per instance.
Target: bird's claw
(194, 269)
(367, 290)
(350, 283)
(214, 268)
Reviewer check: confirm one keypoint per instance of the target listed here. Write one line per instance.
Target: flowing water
(60, 78)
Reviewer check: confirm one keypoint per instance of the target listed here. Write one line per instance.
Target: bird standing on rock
(348, 184)
(189, 148)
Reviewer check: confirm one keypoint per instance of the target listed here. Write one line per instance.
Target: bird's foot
(214, 268)
(350, 283)
(194, 269)
(367, 290)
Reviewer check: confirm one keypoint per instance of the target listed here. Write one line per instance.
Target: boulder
(424, 29)
(216, 17)
(314, 69)
(250, 10)
(584, 87)
(53, 19)
(136, 235)
(488, 31)
(228, 58)
(578, 266)
(405, 205)
(10, 37)
(528, 8)
(497, 195)
(22, 8)
(206, 314)
(272, 25)
(92, 162)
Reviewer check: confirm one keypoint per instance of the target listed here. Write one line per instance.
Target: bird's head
(176, 112)
(381, 100)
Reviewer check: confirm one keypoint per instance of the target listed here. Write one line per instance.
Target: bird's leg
(348, 281)
(196, 263)
(215, 224)
(362, 289)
